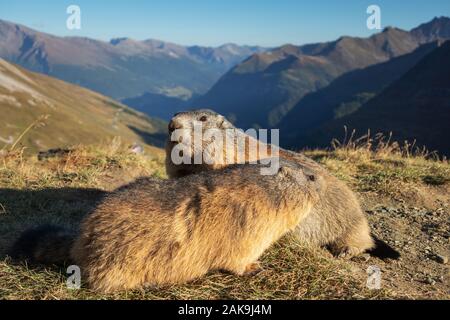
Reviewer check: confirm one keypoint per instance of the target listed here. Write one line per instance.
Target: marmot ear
(310, 175)
(225, 124)
(283, 171)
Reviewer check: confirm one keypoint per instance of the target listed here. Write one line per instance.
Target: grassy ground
(62, 189)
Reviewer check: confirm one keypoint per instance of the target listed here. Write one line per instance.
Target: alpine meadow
(134, 138)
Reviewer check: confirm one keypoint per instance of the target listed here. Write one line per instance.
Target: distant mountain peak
(116, 41)
(436, 21)
(441, 19)
(229, 45)
(438, 28)
(390, 29)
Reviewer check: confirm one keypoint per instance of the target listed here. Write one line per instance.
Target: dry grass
(291, 272)
(79, 166)
(383, 166)
(64, 188)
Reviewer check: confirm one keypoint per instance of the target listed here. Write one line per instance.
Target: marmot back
(160, 232)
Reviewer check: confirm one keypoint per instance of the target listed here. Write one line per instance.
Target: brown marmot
(336, 221)
(156, 232)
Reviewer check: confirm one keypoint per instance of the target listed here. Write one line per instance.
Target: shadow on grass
(24, 209)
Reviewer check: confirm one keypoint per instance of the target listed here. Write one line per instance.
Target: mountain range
(123, 67)
(269, 86)
(74, 115)
(393, 81)
(415, 108)
(345, 95)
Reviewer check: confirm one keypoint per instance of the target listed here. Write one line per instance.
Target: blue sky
(213, 22)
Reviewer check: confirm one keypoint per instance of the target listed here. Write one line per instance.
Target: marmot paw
(253, 269)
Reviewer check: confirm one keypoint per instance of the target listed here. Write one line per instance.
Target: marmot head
(298, 190)
(208, 119)
(300, 176)
(197, 132)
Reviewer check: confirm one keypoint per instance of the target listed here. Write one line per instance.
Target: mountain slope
(122, 67)
(76, 115)
(160, 105)
(415, 107)
(263, 88)
(345, 95)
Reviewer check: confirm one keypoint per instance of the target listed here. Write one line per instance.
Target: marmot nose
(173, 125)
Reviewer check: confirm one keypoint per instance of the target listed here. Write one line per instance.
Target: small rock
(365, 257)
(138, 149)
(430, 281)
(441, 259)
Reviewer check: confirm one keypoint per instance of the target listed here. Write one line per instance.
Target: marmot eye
(311, 177)
(203, 118)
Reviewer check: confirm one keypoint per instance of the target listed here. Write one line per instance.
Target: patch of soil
(419, 228)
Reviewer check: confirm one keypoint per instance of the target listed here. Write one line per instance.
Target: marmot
(157, 232)
(336, 221)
